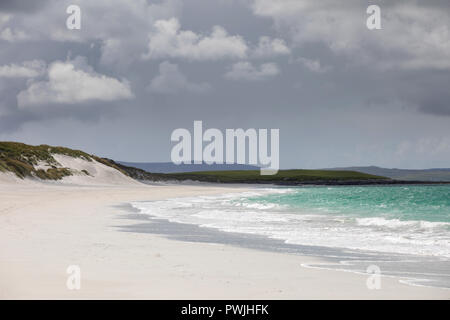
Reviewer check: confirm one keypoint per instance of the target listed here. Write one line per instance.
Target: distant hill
(283, 177)
(20, 162)
(169, 167)
(45, 162)
(397, 174)
(438, 174)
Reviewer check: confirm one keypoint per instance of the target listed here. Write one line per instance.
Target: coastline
(43, 230)
(415, 270)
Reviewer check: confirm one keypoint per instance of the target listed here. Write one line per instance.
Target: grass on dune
(20, 159)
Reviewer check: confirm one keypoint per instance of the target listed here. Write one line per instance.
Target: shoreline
(44, 230)
(338, 257)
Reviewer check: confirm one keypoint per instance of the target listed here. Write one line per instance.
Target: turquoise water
(405, 230)
(417, 203)
(393, 219)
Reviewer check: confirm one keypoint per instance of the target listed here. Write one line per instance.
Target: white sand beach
(44, 228)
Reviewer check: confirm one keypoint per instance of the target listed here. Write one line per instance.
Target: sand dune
(98, 174)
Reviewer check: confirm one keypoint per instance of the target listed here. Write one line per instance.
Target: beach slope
(46, 229)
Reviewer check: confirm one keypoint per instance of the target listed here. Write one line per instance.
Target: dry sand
(46, 228)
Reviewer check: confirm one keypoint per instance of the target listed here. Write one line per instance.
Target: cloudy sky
(340, 94)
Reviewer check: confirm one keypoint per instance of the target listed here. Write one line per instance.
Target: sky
(340, 94)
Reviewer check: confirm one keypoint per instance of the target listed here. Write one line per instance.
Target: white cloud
(246, 71)
(28, 69)
(169, 41)
(4, 18)
(11, 35)
(149, 30)
(69, 83)
(414, 35)
(268, 47)
(7, 33)
(170, 81)
(120, 26)
(313, 65)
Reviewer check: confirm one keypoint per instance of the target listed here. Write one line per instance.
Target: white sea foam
(396, 223)
(235, 213)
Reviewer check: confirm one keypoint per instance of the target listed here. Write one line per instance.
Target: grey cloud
(374, 95)
(313, 65)
(341, 26)
(26, 6)
(436, 106)
(170, 80)
(122, 42)
(248, 72)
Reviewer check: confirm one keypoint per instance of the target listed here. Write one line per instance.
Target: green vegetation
(282, 177)
(53, 173)
(20, 159)
(436, 175)
(34, 154)
(110, 163)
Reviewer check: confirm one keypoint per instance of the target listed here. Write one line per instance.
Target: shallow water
(405, 229)
(398, 219)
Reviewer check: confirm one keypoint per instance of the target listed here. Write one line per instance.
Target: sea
(403, 229)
